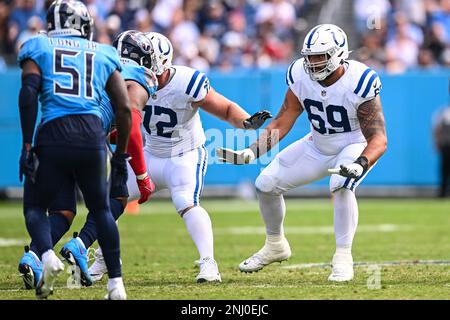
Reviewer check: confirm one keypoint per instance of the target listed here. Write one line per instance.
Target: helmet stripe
(311, 35)
(57, 16)
(119, 43)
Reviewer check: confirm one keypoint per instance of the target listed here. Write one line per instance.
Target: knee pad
(266, 184)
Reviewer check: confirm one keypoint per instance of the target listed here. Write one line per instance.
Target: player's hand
(119, 171)
(257, 120)
(235, 157)
(352, 170)
(28, 164)
(146, 187)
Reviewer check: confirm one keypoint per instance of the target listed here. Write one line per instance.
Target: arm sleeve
(28, 105)
(135, 145)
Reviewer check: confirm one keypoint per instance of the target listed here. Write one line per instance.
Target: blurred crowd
(398, 35)
(395, 35)
(214, 33)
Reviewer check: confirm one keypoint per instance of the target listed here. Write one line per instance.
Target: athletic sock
(199, 227)
(88, 233)
(59, 225)
(108, 239)
(345, 218)
(38, 227)
(273, 210)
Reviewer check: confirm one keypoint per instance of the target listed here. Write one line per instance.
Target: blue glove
(28, 164)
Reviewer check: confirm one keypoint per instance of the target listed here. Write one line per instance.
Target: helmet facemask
(319, 71)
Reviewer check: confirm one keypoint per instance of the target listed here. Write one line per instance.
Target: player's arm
(371, 120)
(276, 130)
(28, 109)
(229, 111)
(117, 92)
(138, 98)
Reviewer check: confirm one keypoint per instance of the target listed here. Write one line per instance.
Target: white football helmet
(162, 59)
(329, 40)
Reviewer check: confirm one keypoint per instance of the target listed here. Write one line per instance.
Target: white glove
(235, 157)
(352, 170)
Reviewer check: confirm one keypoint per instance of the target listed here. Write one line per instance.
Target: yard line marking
(366, 264)
(10, 242)
(314, 230)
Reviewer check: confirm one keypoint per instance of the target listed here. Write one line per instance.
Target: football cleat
(30, 268)
(98, 268)
(342, 267)
(209, 271)
(270, 253)
(116, 291)
(50, 271)
(75, 253)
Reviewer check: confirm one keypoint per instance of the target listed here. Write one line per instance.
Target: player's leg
(184, 175)
(91, 176)
(60, 215)
(50, 176)
(118, 196)
(345, 214)
(296, 165)
(154, 168)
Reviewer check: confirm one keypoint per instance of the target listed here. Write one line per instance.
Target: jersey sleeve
(32, 49)
(293, 72)
(142, 76)
(368, 85)
(198, 86)
(111, 61)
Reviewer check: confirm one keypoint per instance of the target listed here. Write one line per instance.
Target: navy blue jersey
(74, 73)
(130, 72)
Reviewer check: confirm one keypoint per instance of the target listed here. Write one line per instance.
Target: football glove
(146, 187)
(119, 171)
(235, 157)
(257, 120)
(353, 170)
(28, 164)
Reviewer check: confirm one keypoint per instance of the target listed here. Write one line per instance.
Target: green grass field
(158, 254)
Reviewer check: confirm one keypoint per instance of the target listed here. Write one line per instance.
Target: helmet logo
(335, 40)
(161, 49)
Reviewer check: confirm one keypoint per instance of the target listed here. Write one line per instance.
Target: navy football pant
(86, 167)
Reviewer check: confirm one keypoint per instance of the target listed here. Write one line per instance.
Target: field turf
(158, 254)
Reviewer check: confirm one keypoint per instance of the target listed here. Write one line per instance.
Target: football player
(174, 145)
(141, 84)
(341, 99)
(69, 145)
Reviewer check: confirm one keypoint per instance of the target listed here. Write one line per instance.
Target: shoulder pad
(368, 83)
(293, 73)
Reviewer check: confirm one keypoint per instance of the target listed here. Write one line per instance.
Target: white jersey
(172, 125)
(332, 110)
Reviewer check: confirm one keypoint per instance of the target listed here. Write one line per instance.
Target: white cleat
(98, 268)
(342, 267)
(271, 252)
(53, 266)
(209, 271)
(116, 291)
